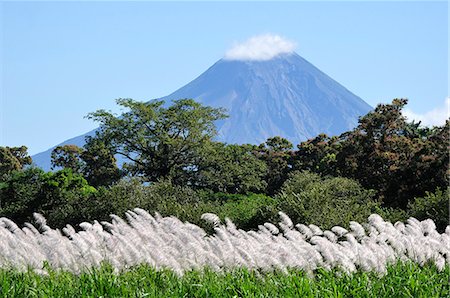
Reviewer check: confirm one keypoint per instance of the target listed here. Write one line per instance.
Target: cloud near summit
(260, 47)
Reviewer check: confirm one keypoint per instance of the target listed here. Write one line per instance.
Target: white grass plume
(166, 242)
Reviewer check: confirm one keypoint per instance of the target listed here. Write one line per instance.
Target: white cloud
(433, 117)
(260, 47)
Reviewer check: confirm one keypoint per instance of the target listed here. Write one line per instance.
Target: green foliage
(399, 160)
(308, 198)
(159, 142)
(182, 202)
(433, 205)
(51, 193)
(175, 168)
(318, 155)
(95, 161)
(277, 154)
(156, 197)
(392, 214)
(246, 211)
(232, 169)
(20, 194)
(67, 156)
(100, 167)
(13, 159)
(298, 181)
(402, 280)
(387, 154)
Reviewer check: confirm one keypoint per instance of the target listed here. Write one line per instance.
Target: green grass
(402, 280)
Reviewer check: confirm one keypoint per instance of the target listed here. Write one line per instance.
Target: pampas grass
(168, 243)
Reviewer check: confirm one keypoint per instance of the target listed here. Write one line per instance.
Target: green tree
(13, 159)
(310, 199)
(56, 195)
(100, 165)
(232, 169)
(399, 160)
(318, 155)
(159, 142)
(20, 194)
(67, 156)
(277, 154)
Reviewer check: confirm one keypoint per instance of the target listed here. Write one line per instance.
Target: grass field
(401, 280)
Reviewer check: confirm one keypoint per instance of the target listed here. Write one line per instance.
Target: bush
(433, 205)
(247, 212)
(20, 194)
(392, 214)
(298, 181)
(59, 196)
(307, 198)
(128, 194)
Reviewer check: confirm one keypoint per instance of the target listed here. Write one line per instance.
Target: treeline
(171, 165)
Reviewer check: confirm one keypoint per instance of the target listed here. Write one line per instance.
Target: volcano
(284, 96)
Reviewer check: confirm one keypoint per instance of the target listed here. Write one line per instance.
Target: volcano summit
(285, 96)
(266, 93)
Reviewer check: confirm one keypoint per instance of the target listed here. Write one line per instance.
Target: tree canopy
(13, 159)
(173, 165)
(159, 142)
(400, 160)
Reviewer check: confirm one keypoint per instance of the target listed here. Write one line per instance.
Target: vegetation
(159, 142)
(401, 280)
(13, 159)
(172, 165)
(433, 205)
(167, 242)
(399, 160)
(311, 199)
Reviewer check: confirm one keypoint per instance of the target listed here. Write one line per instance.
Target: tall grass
(401, 280)
(168, 243)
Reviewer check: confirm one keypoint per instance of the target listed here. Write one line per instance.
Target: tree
(19, 194)
(398, 159)
(318, 155)
(67, 157)
(13, 159)
(54, 194)
(232, 169)
(100, 165)
(159, 142)
(277, 154)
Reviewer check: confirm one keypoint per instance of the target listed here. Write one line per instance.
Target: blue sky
(62, 60)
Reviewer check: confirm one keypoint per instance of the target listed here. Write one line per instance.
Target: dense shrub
(308, 198)
(57, 195)
(247, 212)
(127, 194)
(433, 205)
(20, 194)
(232, 169)
(392, 214)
